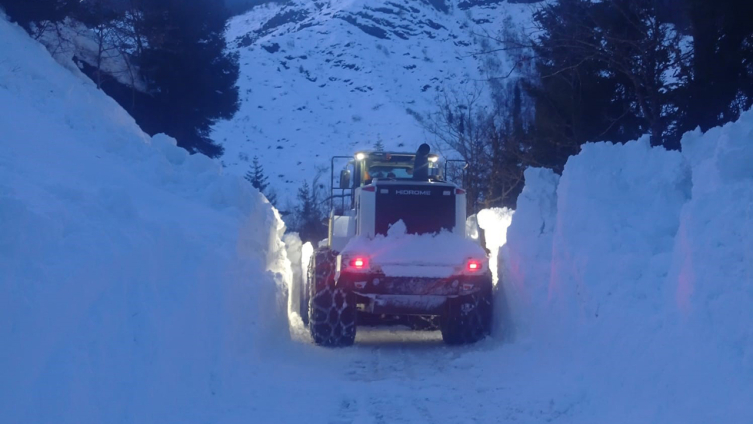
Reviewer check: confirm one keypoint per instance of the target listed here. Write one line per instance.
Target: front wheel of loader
(332, 310)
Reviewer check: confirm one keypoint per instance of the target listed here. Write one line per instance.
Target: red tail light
(473, 265)
(369, 188)
(459, 191)
(359, 263)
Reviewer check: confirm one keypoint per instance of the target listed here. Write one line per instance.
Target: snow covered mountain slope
(324, 78)
(133, 277)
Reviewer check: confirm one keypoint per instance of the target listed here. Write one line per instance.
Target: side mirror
(345, 178)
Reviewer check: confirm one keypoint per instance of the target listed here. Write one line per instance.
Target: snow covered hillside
(328, 78)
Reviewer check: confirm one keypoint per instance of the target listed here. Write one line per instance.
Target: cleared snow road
(397, 376)
(403, 376)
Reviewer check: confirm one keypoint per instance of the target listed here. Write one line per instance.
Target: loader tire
(319, 273)
(331, 311)
(332, 318)
(467, 319)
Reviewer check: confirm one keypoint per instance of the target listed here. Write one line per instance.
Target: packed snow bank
(494, 222)
(526, 268)
(136, 281)
(711, 280)
(298, 254)
(635, 268)
(409, 255)
(294, 248)
(615, 228)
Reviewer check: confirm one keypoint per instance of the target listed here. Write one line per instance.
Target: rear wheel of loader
(467, 319)
(332, 311)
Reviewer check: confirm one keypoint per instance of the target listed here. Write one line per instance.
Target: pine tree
(379, 145)
(256, 177)
(308, 215)
(722, 71)
(181, 53)
(188, 69)
(602, 70)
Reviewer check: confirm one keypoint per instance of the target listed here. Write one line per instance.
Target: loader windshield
(394, 172)
(387, 166)
(391, 166)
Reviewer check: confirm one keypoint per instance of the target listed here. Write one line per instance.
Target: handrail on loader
(344, 192)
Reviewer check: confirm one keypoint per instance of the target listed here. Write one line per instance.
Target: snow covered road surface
(392, 375)
(412, 377)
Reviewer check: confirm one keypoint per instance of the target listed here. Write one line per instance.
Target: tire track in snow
(405, 377)
(391, 372)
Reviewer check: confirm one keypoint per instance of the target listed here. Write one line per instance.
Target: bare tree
(461, 123)
(489, 136)
(114, 27)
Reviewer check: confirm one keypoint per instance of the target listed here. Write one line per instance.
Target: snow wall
(137, 282)
(634, 272)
